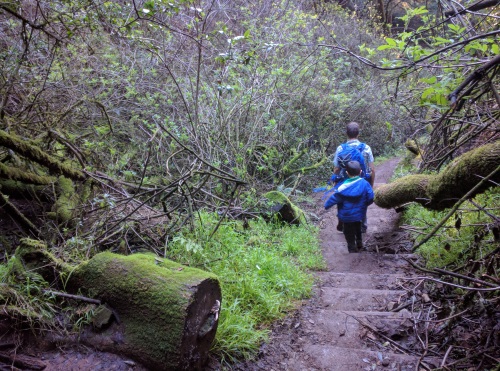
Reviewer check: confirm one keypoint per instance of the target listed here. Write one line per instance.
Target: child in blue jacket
(352, 197)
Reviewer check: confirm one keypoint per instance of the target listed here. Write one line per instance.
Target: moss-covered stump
(444, 189)
(167, 313)
(284, 208)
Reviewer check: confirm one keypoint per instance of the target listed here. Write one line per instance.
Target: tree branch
(477, 75)
(480, 5)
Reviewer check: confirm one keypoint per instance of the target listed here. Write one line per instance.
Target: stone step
(360, 280)
(365, 262)
(355, 328)
(332, 358)
(352, 299)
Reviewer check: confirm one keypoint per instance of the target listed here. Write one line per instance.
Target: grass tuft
(264, 272)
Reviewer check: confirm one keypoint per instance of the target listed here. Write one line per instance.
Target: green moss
(281, 198)
(150, 294)
(277, 197)
(12, 187)
(67, 200)
(14, 173)
(33, 256)
(34, 153)
(402, 190)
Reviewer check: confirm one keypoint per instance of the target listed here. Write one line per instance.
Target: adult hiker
(353, 150)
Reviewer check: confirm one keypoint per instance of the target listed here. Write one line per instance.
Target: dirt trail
(327, 332)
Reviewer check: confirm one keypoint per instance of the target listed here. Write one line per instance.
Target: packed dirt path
(336, 329)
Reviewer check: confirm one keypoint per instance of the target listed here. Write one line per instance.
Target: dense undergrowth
(460, 269)
(471, 233)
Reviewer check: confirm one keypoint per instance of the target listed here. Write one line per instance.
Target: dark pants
(352, 233)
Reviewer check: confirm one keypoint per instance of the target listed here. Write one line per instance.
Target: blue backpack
(351, 153)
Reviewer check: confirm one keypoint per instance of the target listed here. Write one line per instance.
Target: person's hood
(352, 189)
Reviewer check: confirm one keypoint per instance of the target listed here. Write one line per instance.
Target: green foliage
(22, 296)
(263, 270)
(469, 235)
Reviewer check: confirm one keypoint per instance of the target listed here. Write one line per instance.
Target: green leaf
(442, 100)
(390, 41)
(384, 47)
(495, 49)
(421, 10)
(428, 92)
(430, 80)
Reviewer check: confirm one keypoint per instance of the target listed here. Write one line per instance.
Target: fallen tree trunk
(160, 313)
(442, 190)
(165, 309)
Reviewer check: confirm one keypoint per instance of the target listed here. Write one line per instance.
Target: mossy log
(413, 147)
(19, 190)
(284, 208)
(442, 190)
(165, 315)
(166, 311)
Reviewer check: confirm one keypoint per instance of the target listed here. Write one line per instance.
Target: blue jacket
(352, 199)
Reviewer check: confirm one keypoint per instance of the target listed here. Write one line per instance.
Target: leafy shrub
(468, 235)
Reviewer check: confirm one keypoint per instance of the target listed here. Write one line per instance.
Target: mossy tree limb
(287, 171)
(34, 153)
(8, 172)
(442, 190)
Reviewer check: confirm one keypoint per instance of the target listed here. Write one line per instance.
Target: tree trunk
(160, 313)
(166, 314)
(442, 190)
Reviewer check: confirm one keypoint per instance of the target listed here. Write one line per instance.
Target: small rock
(391, 305)
(102, 316)
(385, 362)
